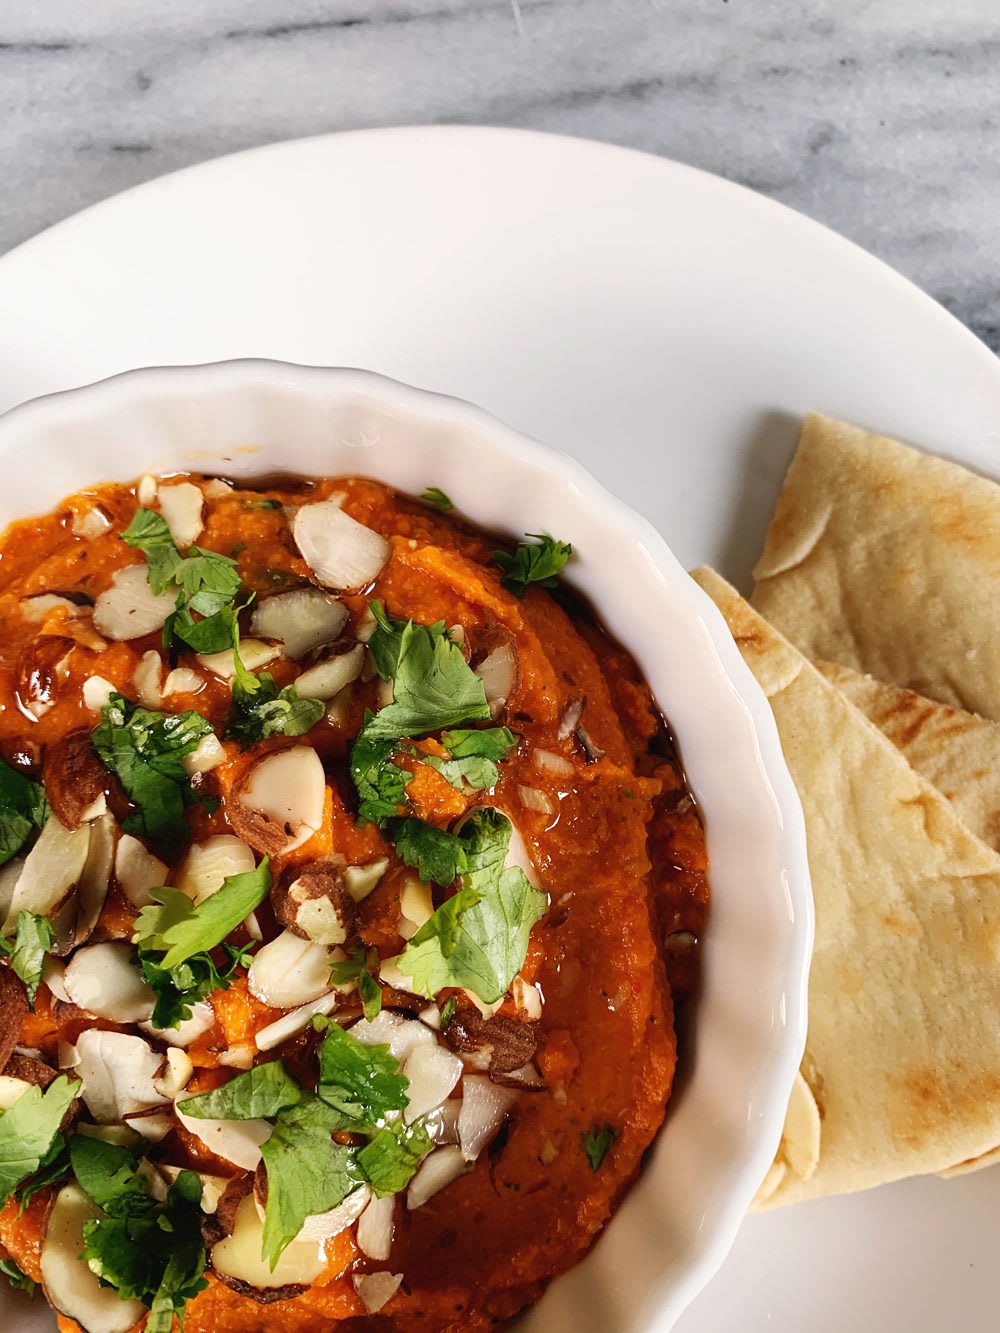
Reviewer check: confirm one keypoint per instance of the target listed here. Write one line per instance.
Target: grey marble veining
(878, 117)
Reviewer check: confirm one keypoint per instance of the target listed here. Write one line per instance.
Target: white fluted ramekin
(241, 418)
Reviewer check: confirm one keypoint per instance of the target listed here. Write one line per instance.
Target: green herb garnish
(436, 497)
(596, 1143)
(269, 712)
(538, 561)
(180, 930)
(28, 1130)
(146, 749)
(27, 954)
(23, 809)
(17, 1279)
(355, 968)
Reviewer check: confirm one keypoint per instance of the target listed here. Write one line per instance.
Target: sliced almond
(101, 979)
(301, 619)
(239, 1256)
(40, 605)
(11, 1090)
(181, 506)
(505, 1043)
(289, 972)
(375, 1227)
(361, 880)
(312, 902)
(216, 489)
(435, 1172)
(432, 1072)
(332, 672)
(189, 1030)
(208, 863)
(254, 654)
(212, 1187)
(376, 1289)
(146, 490)
(277, 803)
(236, 1141)
(90, 523)
(342, 553)
(401, 1035)
(74, 778)
(148, 679)
(92, 891)
(96, 692)
(182, 680)
(52, 870)
(138, 870)
(175, 1074)
(485, 1107)
(207, 754)
(129, 609)
(557, 765)
(527, 998)
(70, 1286)
(117, 1072)
(495, 662)
(290, 1025)
(536, 800)
(239, 1056)
(153, 1127)
(9, 875)
(53, 971)
(324, 1226)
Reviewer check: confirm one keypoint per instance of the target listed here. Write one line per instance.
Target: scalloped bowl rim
(677, 1223)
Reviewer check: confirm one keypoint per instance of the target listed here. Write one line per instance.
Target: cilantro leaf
(23, 808)
(146, 750)
(28, 1129)
(448, 1011)
(17, 1279)
(261, 1093)
(268, 712)
(355, 968)
(433, 686)
(475, 772)
(596, 1143)
(480, 945)
(148, 532)
(381, 784)
(306, 1171)
(433, 495)
(392, 1156)
(149, 1251)
(493, 743)
(53, 1166)
(362, 1082)
(538, 562)
(27, 953)
(180, 929)
(434, 853)
(178, 989)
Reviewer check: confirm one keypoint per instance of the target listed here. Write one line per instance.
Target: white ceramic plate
(663, 326)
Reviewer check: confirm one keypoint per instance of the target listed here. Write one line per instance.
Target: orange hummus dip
(564, 768)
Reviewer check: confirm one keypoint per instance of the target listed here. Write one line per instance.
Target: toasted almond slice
(148, 679)
(181, 506)
(75, 780)
(101, 979)
(9, 875)
(557, 765)
(401, 1035)
(138, 870)
(442, 1124)
(190, 1029)
(390, 975)
(375, 1227)
(312, 902)
(290, 1025)
(376, 1289)
(70, 1286)
(437, 1170)
(800, 1139)
(289, 972)
(505, 1043)
(236, 1141)
(52, 870)
(432, 1072)
(254, 654)
(324, 1226)
(96, 692)
(207, 864)
(117, 1072)
(183, 680)
(216, 489)
(153, 1126)
(495, 662)
(301, 619)
(277, 803)
(485, 1106)
(129, 608)
(239, 1256)
(146, 490)
(53, 971)
(527, 998)
(207, 754)
(95, 880)
(212, 1187)
(416, 905)
(175, 1074)
(361, 880)
(517, 856)
(90, 523)
(239, 1056)
(11, 1090)
(332, 672)
(342, 553)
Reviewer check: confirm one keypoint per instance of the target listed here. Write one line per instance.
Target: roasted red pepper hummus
(348, 884)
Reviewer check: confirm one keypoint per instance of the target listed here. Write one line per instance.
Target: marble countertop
(878, 117)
